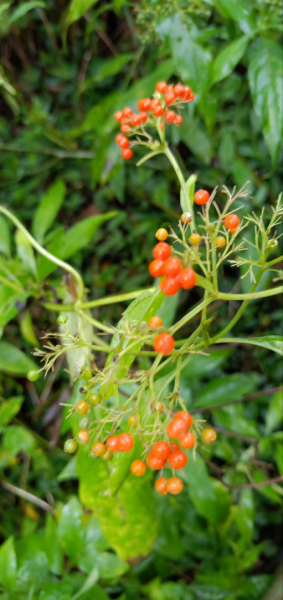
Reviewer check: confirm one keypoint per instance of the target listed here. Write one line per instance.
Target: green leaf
(8, 564)
(271, 342)
(265, 78)
(191, 60)
(53, 548)
(201, 366)
(245, 514)
(226, 388)
(140, 310)
(25, 252)
(26, 328)
(74, 240)
(47, 210)
(17, 439)
(55, 590)
(88, 584)
(13, 360)
(228, 58)
(5, 237)
(194, 135)
(111, 566)
(266, 490)
(75, 11)
(69, 471)
(70, 528)
(120, 466)
(274, 414)
(108, 68)
(23, 9)
(93, 477)
(232, 418)
(9, 409)
(239, 11)
(209, 496)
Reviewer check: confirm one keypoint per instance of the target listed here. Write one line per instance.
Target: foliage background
(64, 69)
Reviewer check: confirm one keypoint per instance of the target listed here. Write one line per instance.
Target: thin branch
(246, 438)
(254, 485)
(243, 399)
(27, 496)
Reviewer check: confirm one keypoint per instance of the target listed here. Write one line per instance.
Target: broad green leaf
(209, 496)
(239, 11)
(271, 342)
(265, 78)
(69, 471)
(70, 528)
(245, 514)
(23, 9)
(48, 209)
(9, 409)
(192, 61)
(228, 58)
(25, 252)
(194, 135)
(222, 389)
(120, 466)
(111, 566)
(168, 309)
(232, 418)
(266, 490)
(108, 68)
(13, 360)
(93, 479)
(74, 240)
(274, 415)
(94, 545)
(8, 564)
(31, 557)
(140, 310)
(17, 438)
(53, 548)
(205, 366)
(55, 590)
(75, 11)
(5, 237)
(88, 584)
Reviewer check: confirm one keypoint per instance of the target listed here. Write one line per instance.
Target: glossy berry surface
(125, 128)
(144, 104)
(138, 468)
(195, 239)
(112, 443)
(169, 286)
(127, 153)
(161, 486)
(98, 448)
(155, 322)
(161, 251)
(94, 399)
(177, 428)
(220, 242)
(186, 218)
(164, 343)
(188, 440)
(118, 116)
(161, 87)
(161, 234)
(231, 222)
(161, 450)
(121, 140)
(201, 197)
(185, 416)
(83, 436)
(107, 456)
(32, 375)
(187, 279)
(125, 442)
(156, 268)
(178, 460)
(155, 463)
(172, 267)
(127, 112)
(133, 420)
(174, 447)
(70, 446)
(62, 319)
(81, 407)
(174, 486)
(208, 436)
(169, 98)
(169, 116)
(178, 120)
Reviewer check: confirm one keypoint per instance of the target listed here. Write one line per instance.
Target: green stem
(96, 323)
(44, 252)
(251, 296)
(203, 319)
(114, 299)
(190, 315)
(273, 262)
(148, 157)
(12, 285)
(184, 189)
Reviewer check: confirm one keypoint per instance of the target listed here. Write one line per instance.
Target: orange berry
(178, 120)
(161, 234)
(112, 443)
(172, 266)
(156, 268)
(187, 279)
(81, 407)
(155, 322)
(201, 197)
(161, 251)
(83, 436)
(155, 463)
(122, 141)
(127, 113)
(188, 440)
(185, 416)
(161, 450)
(179, 91)
(220, 242)
(169, 116)
(164, 343)
(208, 436)
(231, 222)
(161, 87)
(127, 153)
(174, 486)
(118, 116)
(160, 486)
(125, 128)
(125, 442)
(136, 120)
(195, 239)
(138, 468)
(186, 218)
(169, 98)
(98, 448)
(177, 428)
(178, 460)
(144, 104)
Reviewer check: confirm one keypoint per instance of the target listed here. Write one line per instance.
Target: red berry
(144, 104)
(160, 486)
(178, 460)
(169, 98)
(231, 222)
(170, 116)
(161, 251)
(161, 87)
(127, 153)
(154, 104)
(174, 447)
(125, 442)
(172, 266)
(155, 322)
(161, 450)
(127, 112)
(118, 116)
(190, 97)
(138, 468)
(156, 268)
(155, 463)
(187, 279)
(174, 486)
(83, 436)
(188, 440)
(136, 120)
(144, 117)
(125, 128)
(177, 428)
(201, 197)
(169, 286)
(185, 416)
(179, 91)
(178, 120)
(98, 448)
(164, 343)
(158, 111)
(112, 443)
(208, 436)
(187, 93)
(122, 141)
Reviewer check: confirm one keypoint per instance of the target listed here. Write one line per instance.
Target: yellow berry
(186, 218)
(133, 420)
(161, 234)
(195, 239)
(208, 436)
(220, 242)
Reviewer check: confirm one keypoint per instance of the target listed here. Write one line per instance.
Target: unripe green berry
(86, 373)
(83, 424)
(272, 244)
(94, 399)
(62, 320)
(107, 456)
(33, 375)
(83, 390)
(70, 446)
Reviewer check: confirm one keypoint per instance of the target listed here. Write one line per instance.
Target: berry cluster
(153, 111)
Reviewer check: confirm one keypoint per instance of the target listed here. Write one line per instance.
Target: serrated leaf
(265, 78)
(13, 360)
(228, 58)
(48, 209)
(8, 564)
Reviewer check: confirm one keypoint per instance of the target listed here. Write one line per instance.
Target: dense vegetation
(65, 68)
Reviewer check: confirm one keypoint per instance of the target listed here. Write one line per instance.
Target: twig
(27, 496)
(254, 485)
(243, 399)
(246, 438)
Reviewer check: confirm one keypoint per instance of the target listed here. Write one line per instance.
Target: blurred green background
(65, 68)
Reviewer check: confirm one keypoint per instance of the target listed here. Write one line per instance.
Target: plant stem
(45, 253)
(184, 189)
(114, 299)
(273, 262)
(12, 285)
(26, 495)
(190, 315)
(251, 295)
